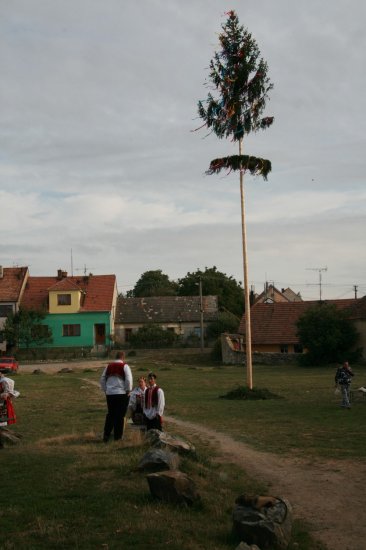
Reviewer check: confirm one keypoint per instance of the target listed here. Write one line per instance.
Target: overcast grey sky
(98, 156)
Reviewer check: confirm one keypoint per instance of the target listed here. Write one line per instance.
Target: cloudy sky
(98, 155)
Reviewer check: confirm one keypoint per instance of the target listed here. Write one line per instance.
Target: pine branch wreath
(256, 166)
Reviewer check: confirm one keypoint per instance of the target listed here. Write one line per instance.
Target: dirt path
(329, 495)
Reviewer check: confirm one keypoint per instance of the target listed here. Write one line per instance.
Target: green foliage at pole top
(240, 76)
(256, 166)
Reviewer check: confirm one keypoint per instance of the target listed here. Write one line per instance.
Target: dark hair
(151, 375)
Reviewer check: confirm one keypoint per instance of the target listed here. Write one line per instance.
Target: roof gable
(98, 290)
(65, 284)
(271, 294)
(12, 282)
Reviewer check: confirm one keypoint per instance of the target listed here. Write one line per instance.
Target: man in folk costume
(116, 382)
(7, 393)
(154, 403)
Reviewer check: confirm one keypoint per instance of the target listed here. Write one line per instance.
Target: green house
(80, 311)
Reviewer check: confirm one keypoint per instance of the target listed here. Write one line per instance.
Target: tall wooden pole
(248, 335)
(201, 316)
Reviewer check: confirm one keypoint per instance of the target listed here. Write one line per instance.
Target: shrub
(153, 336)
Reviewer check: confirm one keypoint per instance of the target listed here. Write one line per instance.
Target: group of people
(144, 404)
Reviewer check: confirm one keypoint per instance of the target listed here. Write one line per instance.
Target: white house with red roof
(79, 311)
(12, 285)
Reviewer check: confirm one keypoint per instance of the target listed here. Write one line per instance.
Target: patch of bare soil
(56, 367)
(328, 495)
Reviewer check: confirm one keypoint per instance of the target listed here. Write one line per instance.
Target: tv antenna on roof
(85, 269)
(319, 269)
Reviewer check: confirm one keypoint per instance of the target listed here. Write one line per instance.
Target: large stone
(156, 460)
(173, 487)
(8, 437)
(265, 521)
(152, 436)
(163, 440)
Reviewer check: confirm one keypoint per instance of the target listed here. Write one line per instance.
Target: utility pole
(355, 287)
(319, 269)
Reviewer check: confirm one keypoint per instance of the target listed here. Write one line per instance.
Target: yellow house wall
(272, 348)
(72, 308)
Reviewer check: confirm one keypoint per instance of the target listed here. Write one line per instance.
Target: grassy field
(63, 488)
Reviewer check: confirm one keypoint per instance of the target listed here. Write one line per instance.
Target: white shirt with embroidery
(154, 410)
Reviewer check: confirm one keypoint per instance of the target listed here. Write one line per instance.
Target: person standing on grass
(136, 401)
(116, 382)
(343, 378)
(7, 393)
(153, 404)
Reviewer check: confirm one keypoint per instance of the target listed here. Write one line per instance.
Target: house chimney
(61, 274)
(1, 272)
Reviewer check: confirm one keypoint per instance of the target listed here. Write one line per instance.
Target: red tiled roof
(358, 309)
(11, 283)
(65, 284)
(276, 323)
(166, 309)
(98, 291)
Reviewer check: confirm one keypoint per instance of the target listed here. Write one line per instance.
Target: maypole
(239, 76)
(248, 329)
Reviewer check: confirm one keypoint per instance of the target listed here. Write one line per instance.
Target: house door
(99, 334)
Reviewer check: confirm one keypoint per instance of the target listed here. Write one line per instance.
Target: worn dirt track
(328, 495)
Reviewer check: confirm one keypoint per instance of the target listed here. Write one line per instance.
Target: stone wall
(234, 357)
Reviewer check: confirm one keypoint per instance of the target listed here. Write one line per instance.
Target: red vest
(116, 369)
(151, 397)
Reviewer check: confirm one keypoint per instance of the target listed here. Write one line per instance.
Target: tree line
(214, 283)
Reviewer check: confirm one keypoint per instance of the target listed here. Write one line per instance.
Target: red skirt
(7, 412)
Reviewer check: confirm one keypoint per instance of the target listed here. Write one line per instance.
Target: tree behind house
(214, 283)
(153, 283)
(327, 335)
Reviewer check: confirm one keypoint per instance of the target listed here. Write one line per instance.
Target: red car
(8, 364)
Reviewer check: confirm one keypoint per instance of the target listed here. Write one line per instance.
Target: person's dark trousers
(114, 420)
(153, 423)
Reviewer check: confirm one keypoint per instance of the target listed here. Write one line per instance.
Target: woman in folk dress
(7, 393)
